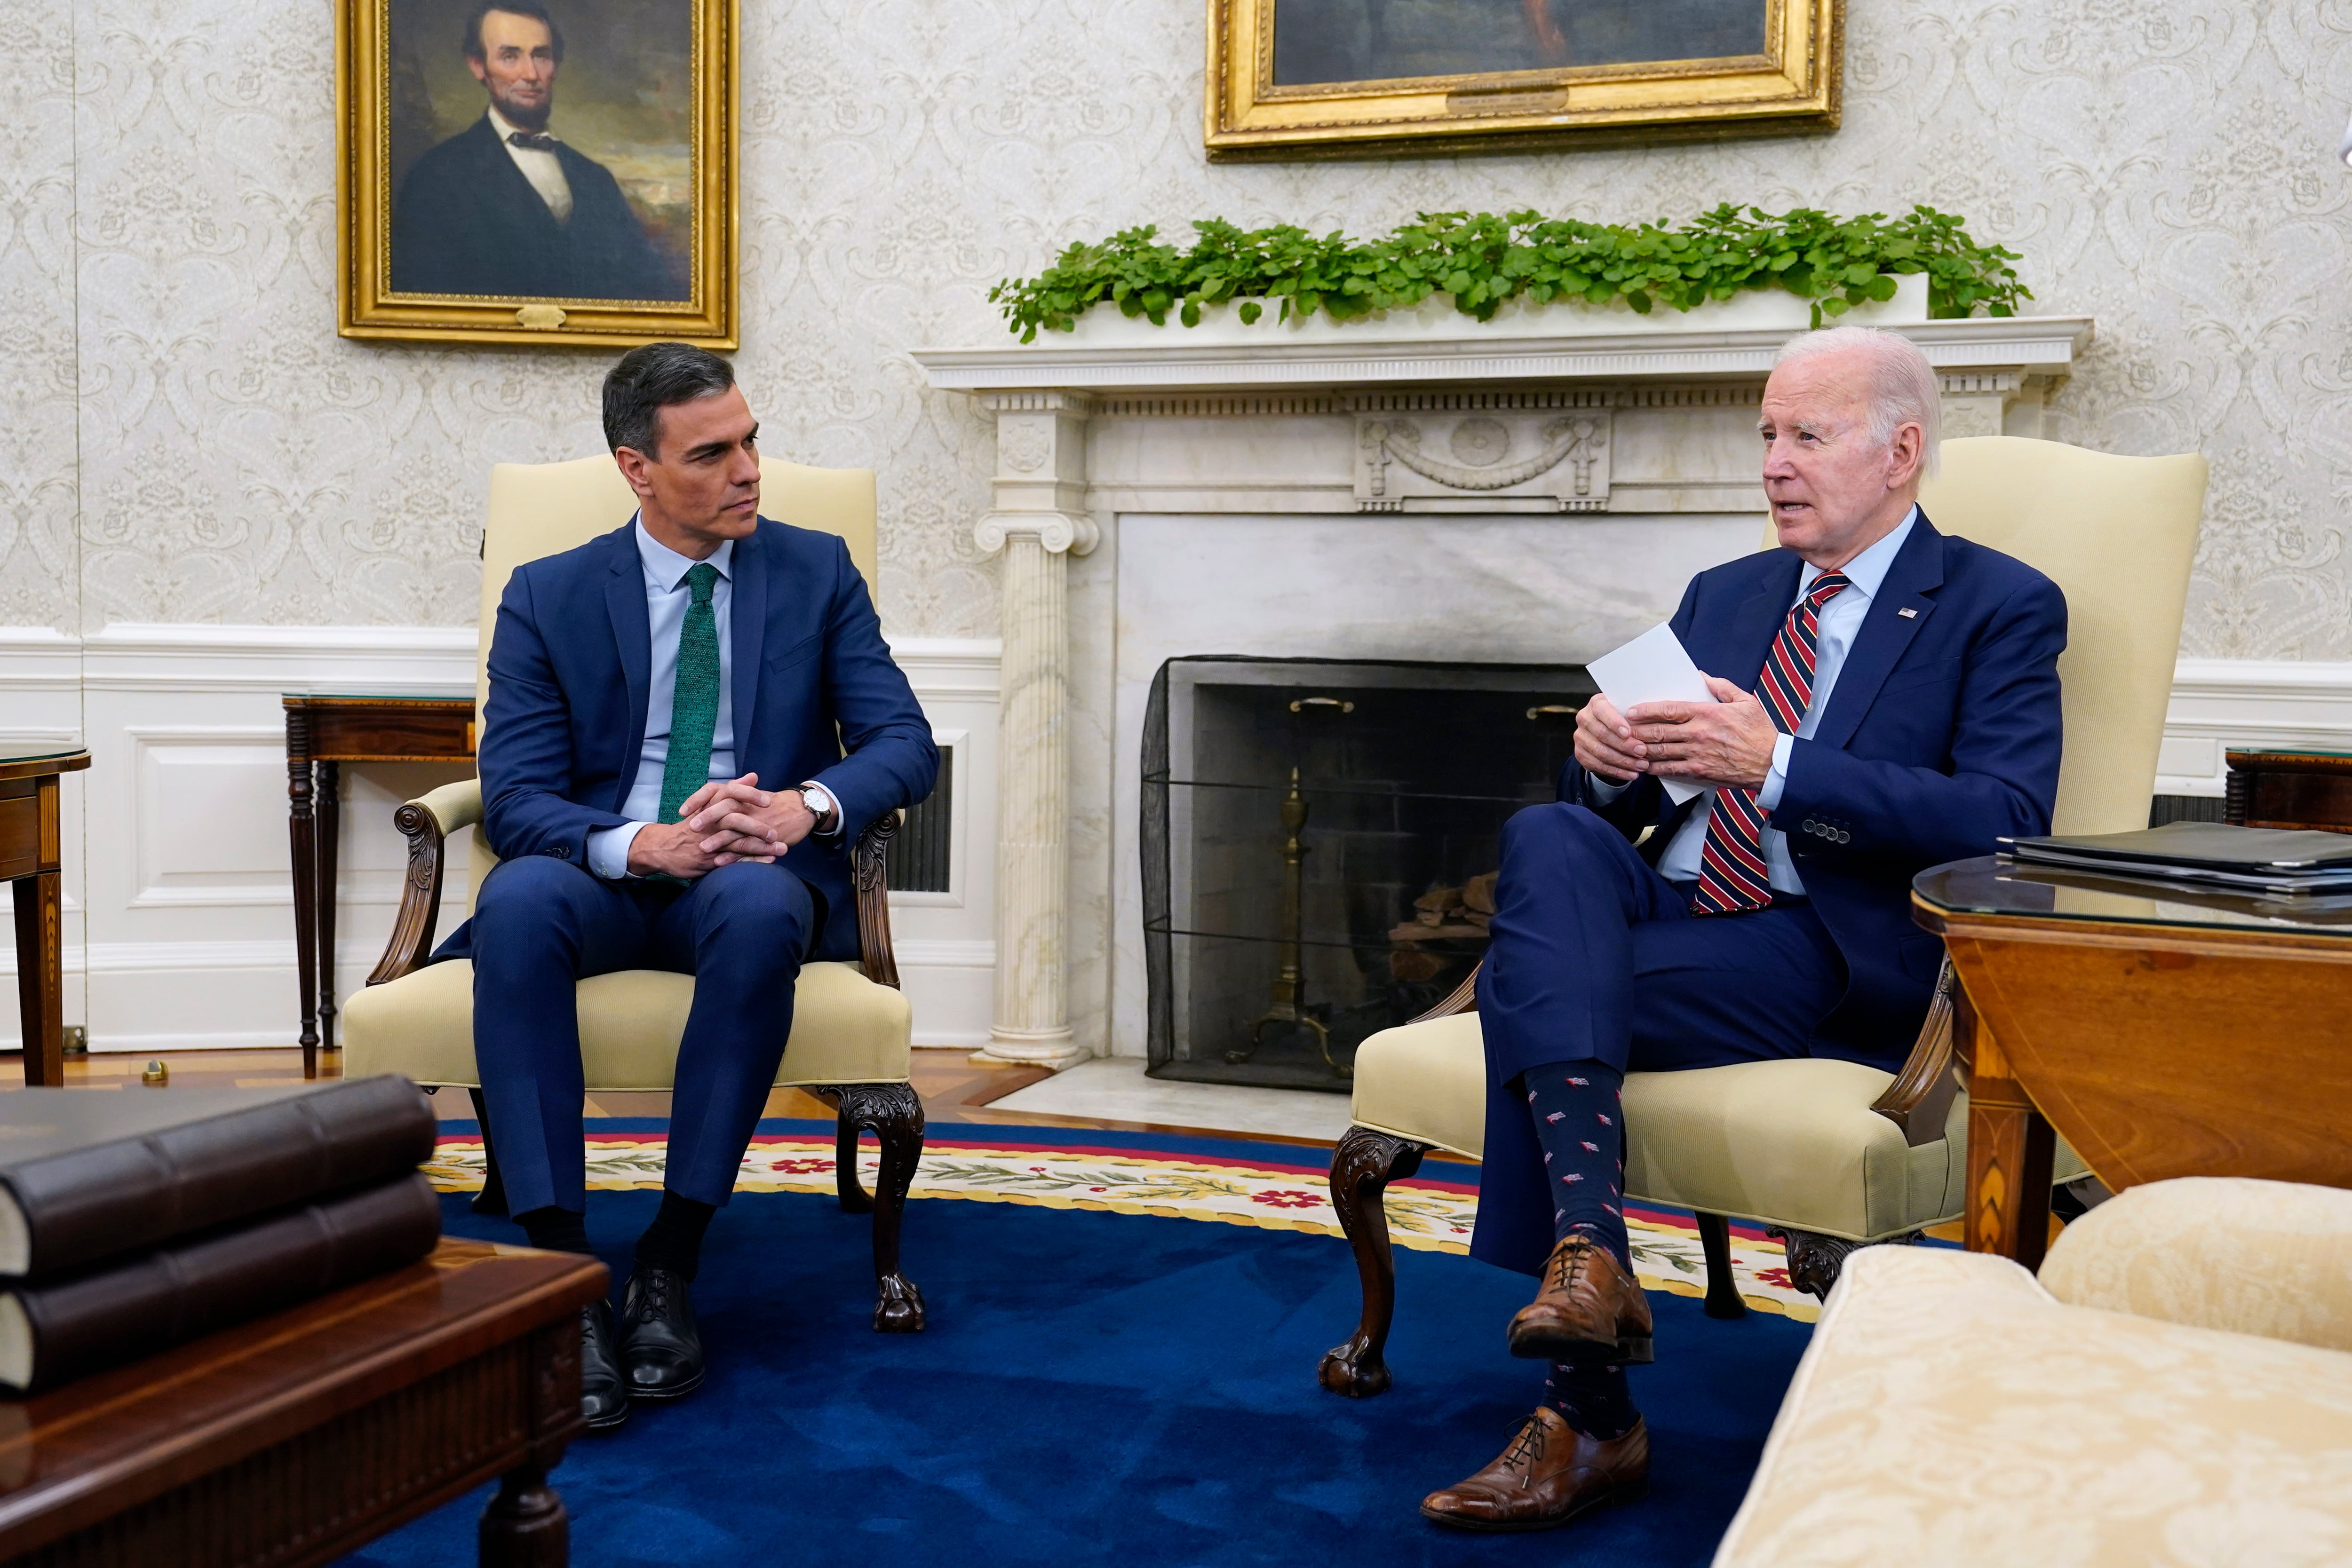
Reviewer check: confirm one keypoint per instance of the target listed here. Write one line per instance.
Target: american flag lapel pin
(1908, 613)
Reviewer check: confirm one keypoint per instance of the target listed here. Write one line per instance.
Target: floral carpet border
(1427, 1215)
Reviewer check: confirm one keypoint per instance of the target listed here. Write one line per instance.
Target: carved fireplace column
(1037, 522)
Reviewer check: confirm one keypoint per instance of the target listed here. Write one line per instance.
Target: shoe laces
(653, 1289)
(1570, 1261)
(1526, 1450)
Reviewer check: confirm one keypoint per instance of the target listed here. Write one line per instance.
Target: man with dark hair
(504, 208)
(691, 720)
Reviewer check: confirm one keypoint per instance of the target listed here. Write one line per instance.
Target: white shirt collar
(1869, 569)
(666, 567)
(506, 127)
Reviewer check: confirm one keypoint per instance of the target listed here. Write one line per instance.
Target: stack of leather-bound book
(131, 1220)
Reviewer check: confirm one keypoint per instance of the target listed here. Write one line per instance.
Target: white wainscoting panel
(2224, 704)
(179, 910)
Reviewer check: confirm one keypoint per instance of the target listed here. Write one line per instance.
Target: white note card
(1653, 668)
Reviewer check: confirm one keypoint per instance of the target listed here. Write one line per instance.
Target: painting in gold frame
(1354, 78)
(538, 171)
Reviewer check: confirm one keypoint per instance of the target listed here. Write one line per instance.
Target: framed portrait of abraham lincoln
(1354, 78)
(537, 170)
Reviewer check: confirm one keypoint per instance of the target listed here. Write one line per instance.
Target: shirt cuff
(1601, 790)
(608, 849)
(1769, 796)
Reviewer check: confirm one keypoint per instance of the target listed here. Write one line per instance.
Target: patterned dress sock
(553, 1229)
(1579, 1116)
(674, 1240)
(1595, 1400)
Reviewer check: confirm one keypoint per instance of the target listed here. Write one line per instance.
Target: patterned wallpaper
(175, 383)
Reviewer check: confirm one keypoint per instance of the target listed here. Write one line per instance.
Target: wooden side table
(295, 1438)
(2164, 1031)
(31, 848)
(322, 733)
(2290, 790)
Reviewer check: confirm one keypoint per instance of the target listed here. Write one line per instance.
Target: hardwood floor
(950, 1081)
(955, 1089)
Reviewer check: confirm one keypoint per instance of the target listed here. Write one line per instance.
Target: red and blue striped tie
(1732, 872)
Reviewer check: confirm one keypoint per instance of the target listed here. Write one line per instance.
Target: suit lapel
(624, 598)
(747, 617)
(1755, 623)
(1886, 632)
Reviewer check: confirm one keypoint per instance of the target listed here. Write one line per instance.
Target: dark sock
(1579, 1116)
(553, 1229)
(1595, 1400)
(674, 1240)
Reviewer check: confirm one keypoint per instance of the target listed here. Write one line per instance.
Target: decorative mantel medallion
(1511, 452)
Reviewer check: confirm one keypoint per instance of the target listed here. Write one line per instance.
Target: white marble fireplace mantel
(1535, 436)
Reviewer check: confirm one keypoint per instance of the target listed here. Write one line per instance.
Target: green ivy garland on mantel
(1481, 260)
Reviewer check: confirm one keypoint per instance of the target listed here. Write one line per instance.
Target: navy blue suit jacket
(816, 696)
(1942, 734)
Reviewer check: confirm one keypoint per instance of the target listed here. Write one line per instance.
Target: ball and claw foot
(899, 1307)
(1353, 1370)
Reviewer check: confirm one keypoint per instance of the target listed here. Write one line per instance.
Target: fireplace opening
(1320, 840)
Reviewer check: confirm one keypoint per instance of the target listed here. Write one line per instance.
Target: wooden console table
(2290, 790)
(31, 852)
(294, 1439)
(2165, 1032)
(322, 733)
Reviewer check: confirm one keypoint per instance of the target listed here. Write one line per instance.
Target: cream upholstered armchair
(1830, 1154)
(852, 1028)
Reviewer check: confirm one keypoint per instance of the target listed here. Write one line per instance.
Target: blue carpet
(1101, 1387)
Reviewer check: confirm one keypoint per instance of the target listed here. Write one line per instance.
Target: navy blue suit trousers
(540, 925)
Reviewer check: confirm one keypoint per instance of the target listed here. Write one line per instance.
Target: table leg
(2011, 1147)
(526, 1525)
(328, 804)
(299, 829)
(40, 975)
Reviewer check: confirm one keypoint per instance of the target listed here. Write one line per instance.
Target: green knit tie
(694, 700)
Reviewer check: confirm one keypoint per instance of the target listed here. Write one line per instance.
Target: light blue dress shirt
(666, 599)
(1839, 622)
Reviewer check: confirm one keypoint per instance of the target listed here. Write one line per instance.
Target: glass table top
(37, 750)
(1994, 884)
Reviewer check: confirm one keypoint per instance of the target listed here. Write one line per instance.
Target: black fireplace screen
(1320, 844)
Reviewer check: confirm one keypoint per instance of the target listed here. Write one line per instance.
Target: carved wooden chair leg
(895, 1114)
(1362, 1165)
(1815, 1262)
(1723, 1297)
(846, 1186)
(492, 1200)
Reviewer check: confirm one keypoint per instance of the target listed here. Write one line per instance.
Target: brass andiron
(1288, 1008)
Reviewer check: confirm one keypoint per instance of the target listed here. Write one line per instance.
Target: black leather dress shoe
(604, 1388)
(659, 1344)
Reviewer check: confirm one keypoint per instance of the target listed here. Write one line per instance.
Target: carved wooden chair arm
(1921, 1095)
(1917, 1101)
(868, 865)
(426, 822)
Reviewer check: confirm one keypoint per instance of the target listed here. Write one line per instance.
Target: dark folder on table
(2209, 855)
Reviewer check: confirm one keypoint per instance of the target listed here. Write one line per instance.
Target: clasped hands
(1728, 741)
(726, 821)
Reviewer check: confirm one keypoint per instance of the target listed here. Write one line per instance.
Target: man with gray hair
(1886, 699)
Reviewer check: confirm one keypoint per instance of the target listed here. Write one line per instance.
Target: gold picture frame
(1789, 84)
(444, 235)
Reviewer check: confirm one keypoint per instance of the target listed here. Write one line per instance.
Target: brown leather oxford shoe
(1589, 1311)
(1549, 1474)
